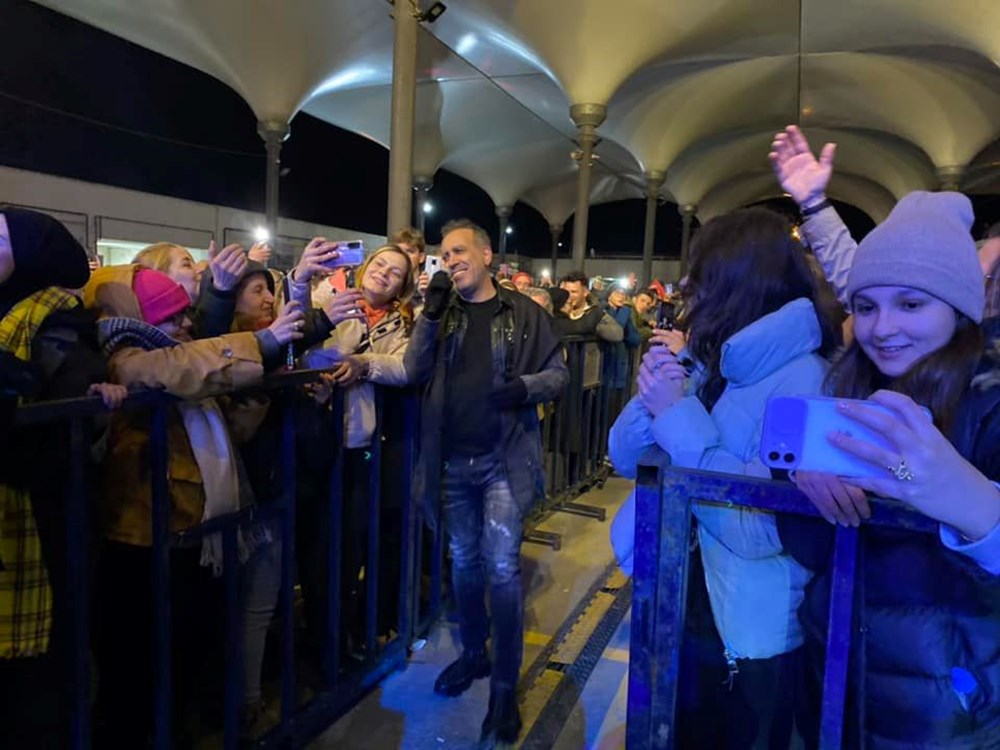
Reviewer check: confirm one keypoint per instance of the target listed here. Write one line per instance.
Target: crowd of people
(483, 353)
(906, 319)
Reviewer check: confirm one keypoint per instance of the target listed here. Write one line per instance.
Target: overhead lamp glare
(260, 234)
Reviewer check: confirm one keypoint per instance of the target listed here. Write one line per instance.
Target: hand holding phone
(433, 264)
(351, 254)
(666, 316)
(796, 430)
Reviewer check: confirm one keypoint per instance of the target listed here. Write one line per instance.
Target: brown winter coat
(192, 370)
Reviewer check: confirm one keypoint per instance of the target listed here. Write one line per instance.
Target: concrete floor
(404, 713)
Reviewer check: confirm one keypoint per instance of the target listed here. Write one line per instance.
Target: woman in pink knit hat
(144, 330)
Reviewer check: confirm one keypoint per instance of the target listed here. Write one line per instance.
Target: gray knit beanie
(925, 243)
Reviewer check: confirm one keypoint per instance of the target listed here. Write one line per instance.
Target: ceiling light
(433, 13)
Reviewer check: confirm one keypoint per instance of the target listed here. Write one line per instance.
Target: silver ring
(901, 472)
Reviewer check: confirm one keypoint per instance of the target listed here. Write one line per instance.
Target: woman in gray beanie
(930, 615)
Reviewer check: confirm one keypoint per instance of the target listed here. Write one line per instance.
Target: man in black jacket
(490, 357)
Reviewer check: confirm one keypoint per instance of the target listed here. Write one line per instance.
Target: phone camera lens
(774, 455)
(789, 458)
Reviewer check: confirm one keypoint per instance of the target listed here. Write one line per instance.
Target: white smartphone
(433, 264)
(795, 436)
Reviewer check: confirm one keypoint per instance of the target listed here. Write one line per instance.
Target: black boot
(458, 676)
(503, 718)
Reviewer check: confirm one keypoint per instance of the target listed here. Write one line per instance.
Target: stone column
(274, 134)
(654, 181)
(503, 214)
(688, 212)
(587, 118)
(404, 94)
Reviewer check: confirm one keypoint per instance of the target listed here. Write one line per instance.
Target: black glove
(436, 296)
(510, 394)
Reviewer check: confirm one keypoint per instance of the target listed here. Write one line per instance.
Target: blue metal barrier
(299, 722)
(664, 496)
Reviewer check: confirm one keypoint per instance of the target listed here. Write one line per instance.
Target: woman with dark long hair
(926, 650)
(754, 330)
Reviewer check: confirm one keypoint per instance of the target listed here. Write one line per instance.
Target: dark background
(79, 102)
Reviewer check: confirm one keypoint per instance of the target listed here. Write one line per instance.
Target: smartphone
(433, 264)
(352, 253)
(795, 436)
(666, 316)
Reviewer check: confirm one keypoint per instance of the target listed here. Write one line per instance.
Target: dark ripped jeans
(484, 526)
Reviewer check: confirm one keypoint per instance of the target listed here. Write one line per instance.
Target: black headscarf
(45, 254)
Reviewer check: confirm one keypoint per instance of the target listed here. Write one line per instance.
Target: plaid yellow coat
(25, 595)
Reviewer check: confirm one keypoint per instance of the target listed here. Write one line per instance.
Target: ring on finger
(901, 471)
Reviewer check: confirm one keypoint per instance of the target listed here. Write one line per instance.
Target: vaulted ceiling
(693, 88)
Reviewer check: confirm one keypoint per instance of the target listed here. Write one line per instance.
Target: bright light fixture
(428, 207)
(510, 229)
(466, 44)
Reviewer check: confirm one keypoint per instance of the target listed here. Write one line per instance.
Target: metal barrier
(664, 496)
(575, 430)
(418, 599)
(574, 438)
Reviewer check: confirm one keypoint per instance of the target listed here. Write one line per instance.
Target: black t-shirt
(472, 424)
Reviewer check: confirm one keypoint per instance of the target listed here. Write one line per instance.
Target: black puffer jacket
(930, 623)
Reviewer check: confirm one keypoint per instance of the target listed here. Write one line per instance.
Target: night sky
(79, 102)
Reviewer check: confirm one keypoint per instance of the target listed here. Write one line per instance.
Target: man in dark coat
(490, 357)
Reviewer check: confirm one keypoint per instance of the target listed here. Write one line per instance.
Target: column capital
(588, 117)
(688, 210)
(556, 228)
(504, 212)
(654, 181)
(272, 131)
(421, 183)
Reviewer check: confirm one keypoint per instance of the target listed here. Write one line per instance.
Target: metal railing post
(78, 588)
(331, 640)
(158, 458)
(287, 600)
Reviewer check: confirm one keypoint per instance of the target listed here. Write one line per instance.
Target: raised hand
(315, 256)
(344, 306)
(227, 266)
(423, 281)
(801, 175)
(661, 380)
(287, 327)
(674, 340)
(436, 296)
(259, 252)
